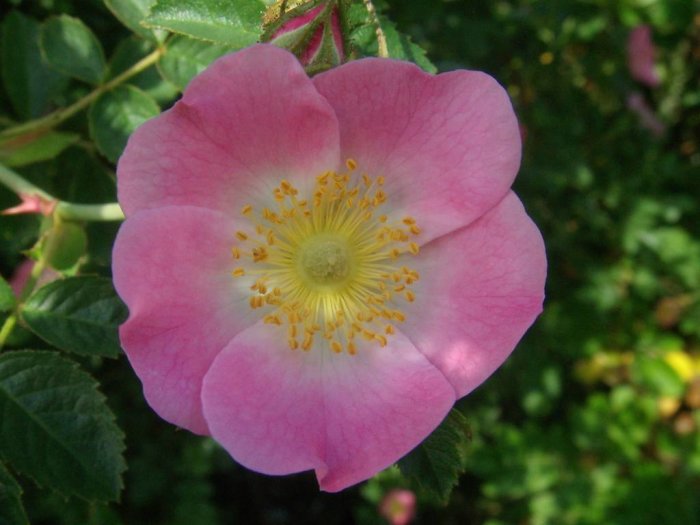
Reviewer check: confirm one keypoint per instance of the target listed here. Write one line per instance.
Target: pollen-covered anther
(324, 265)
(259, 254)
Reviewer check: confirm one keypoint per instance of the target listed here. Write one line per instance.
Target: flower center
(324, 261)
(330, 268)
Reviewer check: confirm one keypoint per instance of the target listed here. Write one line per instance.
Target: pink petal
(279, 411)
(172, 268)
(252, 118)
(480, 289)
(449, 145)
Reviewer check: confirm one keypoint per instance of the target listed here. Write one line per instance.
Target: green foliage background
(596, 417)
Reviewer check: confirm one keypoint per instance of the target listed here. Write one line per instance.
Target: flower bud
(65, 244)
(311, 30)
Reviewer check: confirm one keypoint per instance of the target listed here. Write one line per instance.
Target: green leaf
(402, 47)
(436, 464)
(354, 15)
(128, 52)
(186, 58)
(131, 13)
(56, 427)
(398, 44)
(11, 509)
(7, 296)
(24, 150)
(29, 81)
(238, 24)
(115, 115)
(70, 47)
(77, 314)
(83, 178)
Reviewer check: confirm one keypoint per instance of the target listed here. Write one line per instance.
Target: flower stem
(27, 290)
(20, 186)
(89, 212)
(53, 119)
(7, 328)
(64, 210)
(383, 50)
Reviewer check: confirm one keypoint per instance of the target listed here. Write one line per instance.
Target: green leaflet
(402, 47)
(69, 46)
(436, 464)
(116, 114)
(29, 148)
(131, 13)
(29, 81)
(126, 54)
(236, 24)
(399, 45)
(187, 57)
(77, 314)
(11, 508)
(56, 427)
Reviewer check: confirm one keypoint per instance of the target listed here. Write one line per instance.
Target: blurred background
(595, 419)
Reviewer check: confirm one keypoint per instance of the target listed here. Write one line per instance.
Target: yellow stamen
(325, 264)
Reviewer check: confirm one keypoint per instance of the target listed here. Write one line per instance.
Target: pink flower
(317, 269)
(398, 507)
(640, 56)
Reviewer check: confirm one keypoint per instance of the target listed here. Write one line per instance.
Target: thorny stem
(383, 50)
(53, 119)
(63, 210)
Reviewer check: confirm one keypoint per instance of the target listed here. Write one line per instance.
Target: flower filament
(327, 268)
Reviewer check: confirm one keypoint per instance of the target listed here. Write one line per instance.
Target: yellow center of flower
(328, 269)
(325, 261)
